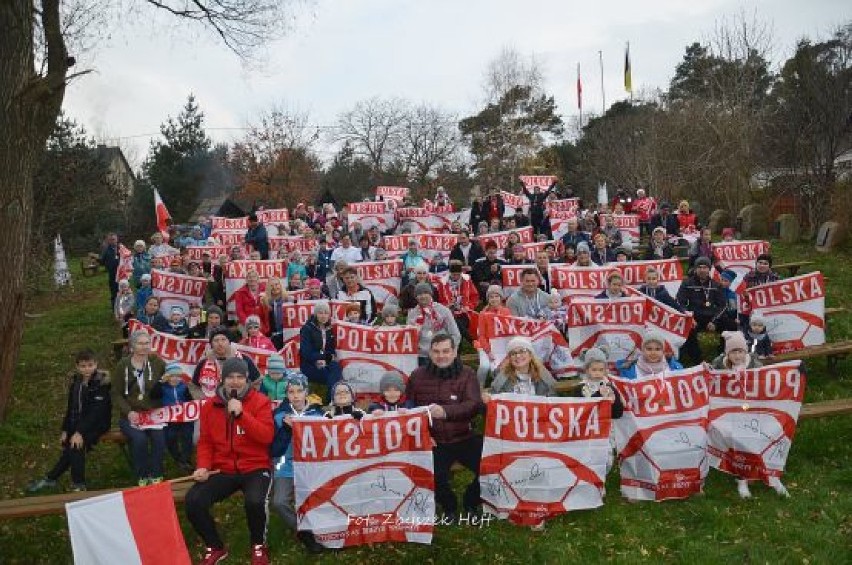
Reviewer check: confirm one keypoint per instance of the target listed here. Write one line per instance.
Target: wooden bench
(834, 310)
(833, 352)
(32, 506)
(792, 267)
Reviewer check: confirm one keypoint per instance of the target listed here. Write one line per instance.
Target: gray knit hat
(392, 379)
(702, 261)
(494, 289)
(216, 310)
(234, 365)
(654, 336)
(593, 355)
(422, 288)
(583, 247)
(757, 319)
(390, 309)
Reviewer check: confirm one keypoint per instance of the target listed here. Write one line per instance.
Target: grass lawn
(813, 526)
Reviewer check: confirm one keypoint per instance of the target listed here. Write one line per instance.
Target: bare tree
(374, 128)
(34, 71)
(429, 139)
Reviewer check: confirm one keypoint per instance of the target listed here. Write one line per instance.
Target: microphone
(233, 395)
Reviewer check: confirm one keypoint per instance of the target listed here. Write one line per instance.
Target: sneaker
(155, 480)
(538, 527)
(742, 488)
(259, 555)
(310, 542)
(144, 482)
(78, 487)
(212, 556)
(40, 484)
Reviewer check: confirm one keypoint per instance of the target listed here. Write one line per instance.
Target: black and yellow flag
(628, 79)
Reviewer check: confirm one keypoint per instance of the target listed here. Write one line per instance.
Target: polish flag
(134, 526)
(163, 216)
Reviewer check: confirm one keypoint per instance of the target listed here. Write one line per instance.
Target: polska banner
(392, 192)
(274, 216)
(184, 351)
(532, 249)
(627, 224)
(576, 282)
(794, 310)
(370, 214)
(221, 223)
(287, 244)
(382, 278)
(235, 277)
(365, 353)
(662, 437)
(634, 272)
(419, 219)
(559, 222)
(174, 289)
(738, 256)
(512, 202)
(673, 324)
(501, 238)
(294, 315)
(196, 252)
(542, 181)
(542, 457)
(753, 415)
(365, 482)
(428, 244)
(174, 414)
(125, 264)
(618, 324)
(496, 331)
(563, 205)
(229, 238)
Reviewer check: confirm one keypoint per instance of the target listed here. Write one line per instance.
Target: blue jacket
(661, 294)
(141, 265)
(256, 237)
(170, 395)
(282, 445)
(630, 372)
(573, 239)
(143, 293)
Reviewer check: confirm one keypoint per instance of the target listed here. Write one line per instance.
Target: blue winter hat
(296, 378)
(275, 364)
(728, 275)
(174, 368)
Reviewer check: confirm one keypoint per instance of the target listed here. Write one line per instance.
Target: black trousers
(693, 349)
(72, 458)
(202, 496)
(468, 453)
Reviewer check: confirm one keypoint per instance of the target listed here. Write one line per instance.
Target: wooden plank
(792, 267)
(834, 349)
(826, 408)
(55, 504)
(834, 310)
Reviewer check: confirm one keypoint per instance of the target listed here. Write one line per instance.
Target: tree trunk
(29, 105)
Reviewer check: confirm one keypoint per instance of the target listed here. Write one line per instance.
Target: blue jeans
(328, 375)
(146, 463)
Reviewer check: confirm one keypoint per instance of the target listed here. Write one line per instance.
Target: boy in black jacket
(87, 418)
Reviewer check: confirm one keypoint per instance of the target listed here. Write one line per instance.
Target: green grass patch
(813, 526)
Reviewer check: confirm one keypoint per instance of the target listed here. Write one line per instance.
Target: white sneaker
(776, 484)
(742, 488)
(538, 527)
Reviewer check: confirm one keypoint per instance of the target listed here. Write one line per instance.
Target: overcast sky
(339, 52)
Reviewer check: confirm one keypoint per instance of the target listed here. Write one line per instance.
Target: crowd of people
(240, 436)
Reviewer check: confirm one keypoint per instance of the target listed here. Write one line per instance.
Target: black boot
(309, 541)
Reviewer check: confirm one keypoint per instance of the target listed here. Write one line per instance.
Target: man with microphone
(233, 454)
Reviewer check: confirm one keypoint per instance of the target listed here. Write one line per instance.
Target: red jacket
(238, 445)
(247, 304)
(468, 296)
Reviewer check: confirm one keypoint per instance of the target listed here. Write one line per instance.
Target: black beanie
(234, 365)
(220, 330)
(764, 257)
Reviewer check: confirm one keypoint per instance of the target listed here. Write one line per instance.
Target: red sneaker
(259, 555)
(212, 556)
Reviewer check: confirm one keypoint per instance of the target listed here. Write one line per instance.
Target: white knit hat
(519, 342)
